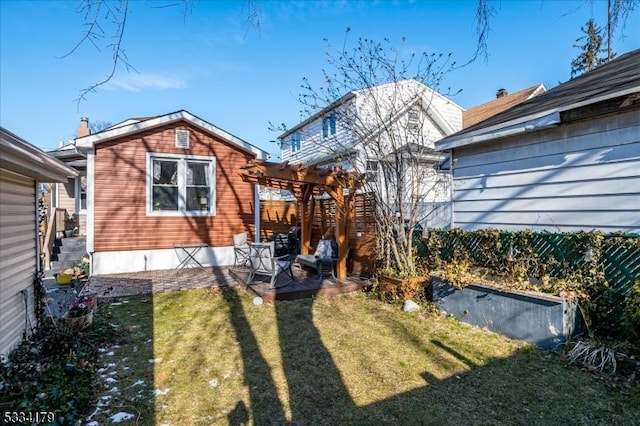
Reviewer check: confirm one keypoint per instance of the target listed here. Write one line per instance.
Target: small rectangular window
(182, 138)
(296, 142)
(329, 125)
(371, 171)
(413, 120)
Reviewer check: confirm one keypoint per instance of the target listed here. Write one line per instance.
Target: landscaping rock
(410, 306)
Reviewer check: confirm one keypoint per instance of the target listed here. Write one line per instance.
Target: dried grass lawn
(205, 357)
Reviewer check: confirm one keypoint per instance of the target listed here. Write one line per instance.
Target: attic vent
(182, 138)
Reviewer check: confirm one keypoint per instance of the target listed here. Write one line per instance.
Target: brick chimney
(501, 93)
(83, 129)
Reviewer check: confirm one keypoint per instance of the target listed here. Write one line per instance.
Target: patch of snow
(159, 392)
(111, 364)
(138, 383)
(115, 304)
(93, 423)
(120, 417)
(114, 390)
(553, 330)
(214, 383)
(110, 380)
(106, 397)
(410, 306)
(155, 360)
(110, 353)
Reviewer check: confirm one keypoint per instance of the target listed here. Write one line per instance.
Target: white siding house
(390, 122)
(566, 160)
(21, 166)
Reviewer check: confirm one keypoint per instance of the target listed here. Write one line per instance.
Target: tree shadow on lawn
(528, 387)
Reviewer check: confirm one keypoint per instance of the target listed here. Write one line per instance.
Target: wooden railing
(55, 224)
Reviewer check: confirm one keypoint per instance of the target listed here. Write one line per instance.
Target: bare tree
(98, 126)
(105, 23)
(385, 132)
(617, 13)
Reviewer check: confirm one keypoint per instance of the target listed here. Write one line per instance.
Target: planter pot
(80, 322)
(63, 279)
(542, 319)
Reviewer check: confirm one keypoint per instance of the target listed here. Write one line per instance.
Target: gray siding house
(565, 160)
(22, 166)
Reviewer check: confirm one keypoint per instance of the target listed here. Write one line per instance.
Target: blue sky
(213, 64)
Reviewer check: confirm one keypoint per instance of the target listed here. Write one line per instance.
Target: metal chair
(240, 250)
(262, 262)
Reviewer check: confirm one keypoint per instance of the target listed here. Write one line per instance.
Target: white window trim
(76, 194)
(149, 185)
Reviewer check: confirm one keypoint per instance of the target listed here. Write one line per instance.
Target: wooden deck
(304, 286)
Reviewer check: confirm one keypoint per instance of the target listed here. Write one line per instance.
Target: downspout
(256, 212)
(452, 222)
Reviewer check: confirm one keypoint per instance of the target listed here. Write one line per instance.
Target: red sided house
(158, 183)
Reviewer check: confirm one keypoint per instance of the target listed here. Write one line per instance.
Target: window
(329, 125)
(413, 119)
(182, 138)
(181, 185)
(81, 193)
(296, 141)
(371, 171)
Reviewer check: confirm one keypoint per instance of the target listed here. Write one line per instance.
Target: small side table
(190, 251)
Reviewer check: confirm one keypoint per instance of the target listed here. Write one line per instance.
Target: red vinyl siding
(121, 222)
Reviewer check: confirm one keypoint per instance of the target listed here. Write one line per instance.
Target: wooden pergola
(304, 182)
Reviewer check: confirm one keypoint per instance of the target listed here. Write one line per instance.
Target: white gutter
(545, 122)
(529, 123)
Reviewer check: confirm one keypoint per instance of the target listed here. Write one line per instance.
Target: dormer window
(182, 138)
(329, 125)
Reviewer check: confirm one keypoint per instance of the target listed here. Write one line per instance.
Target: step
(58, 265)
(72, 243)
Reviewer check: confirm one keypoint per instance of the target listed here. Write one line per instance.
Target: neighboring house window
(181, 185)
(81, 193)
(296, 142)
(371, 171)
(329, 125)
(413, 120)
(182, 138)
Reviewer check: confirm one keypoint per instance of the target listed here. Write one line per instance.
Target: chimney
(83, 129)
(501, 93)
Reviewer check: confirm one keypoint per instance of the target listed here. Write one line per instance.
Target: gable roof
(363, 92)
(19, 156)
(483, 111)
(131, 126)
(619, 77)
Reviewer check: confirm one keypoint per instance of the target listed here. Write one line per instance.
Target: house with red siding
(155, 184)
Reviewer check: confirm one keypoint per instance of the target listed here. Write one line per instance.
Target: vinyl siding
(120, 219)
(18, 256)
(579, 176)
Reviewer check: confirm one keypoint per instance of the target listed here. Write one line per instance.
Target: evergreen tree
(593, 54)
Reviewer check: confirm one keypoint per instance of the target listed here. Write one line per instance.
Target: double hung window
(178, 185)
(329, 125)
(296, 141)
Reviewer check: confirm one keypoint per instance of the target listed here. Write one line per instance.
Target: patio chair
(240, 250)
(262, 262)
(324, 260)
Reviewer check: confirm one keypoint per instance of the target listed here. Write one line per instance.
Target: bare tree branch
(107, 19)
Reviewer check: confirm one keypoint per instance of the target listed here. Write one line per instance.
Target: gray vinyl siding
(579, 176)
(18, 253)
